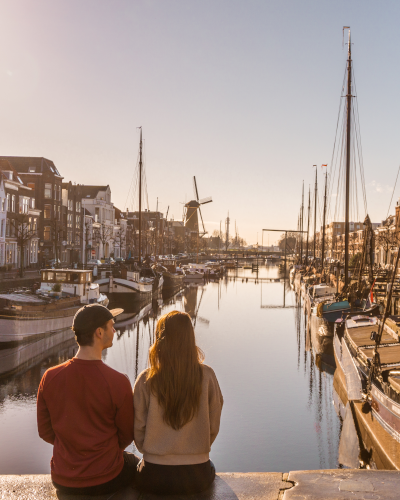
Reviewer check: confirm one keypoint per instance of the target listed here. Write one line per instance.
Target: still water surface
(278, 413)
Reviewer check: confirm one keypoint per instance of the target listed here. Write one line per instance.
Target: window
(55, 211)
(32, 203)
(8, 202)
(13, 203)
(55, 191)
(34, 224)
(47, 233)
(3, 204)
(13, 223)
(2, 230)
(69, 220)
(32, 169)
(59, 193)
(69, 237)
(47, 211)
(78, 222)
(8, 227)
(23, 205)
(78, 206)
(58, 213)
(70, 205)
(47, 190)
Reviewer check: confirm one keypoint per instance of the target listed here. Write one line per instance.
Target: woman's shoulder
(208, 372)
(142, 378)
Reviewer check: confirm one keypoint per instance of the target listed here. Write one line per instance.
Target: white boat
(140, 284)
(27, 316)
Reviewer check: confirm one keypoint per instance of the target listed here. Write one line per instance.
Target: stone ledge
(337, 484)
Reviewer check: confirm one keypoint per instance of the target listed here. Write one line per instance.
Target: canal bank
(295, 485)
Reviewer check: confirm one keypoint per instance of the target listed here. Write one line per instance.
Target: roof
(22, 164)
(86, 212)
(92, 191)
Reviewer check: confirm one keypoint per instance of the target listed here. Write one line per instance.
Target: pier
(295, 485)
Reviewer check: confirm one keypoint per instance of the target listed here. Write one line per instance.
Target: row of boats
(358, 339)
(26, 315)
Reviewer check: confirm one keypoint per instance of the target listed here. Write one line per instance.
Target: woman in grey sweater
(178, 405)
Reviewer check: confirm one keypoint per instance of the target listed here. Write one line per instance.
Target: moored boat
(27, 316)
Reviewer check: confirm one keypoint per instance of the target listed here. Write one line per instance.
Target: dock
(335, 484)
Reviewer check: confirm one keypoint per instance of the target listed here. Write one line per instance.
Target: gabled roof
(23, 163)
(92, 191)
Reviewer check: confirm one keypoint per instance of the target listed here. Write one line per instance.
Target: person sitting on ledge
(178, 405)
(85, 410)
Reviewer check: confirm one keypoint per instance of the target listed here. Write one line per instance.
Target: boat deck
(389, 355)
(361, 337)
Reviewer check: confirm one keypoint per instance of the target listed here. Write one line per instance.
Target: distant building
(43, 178)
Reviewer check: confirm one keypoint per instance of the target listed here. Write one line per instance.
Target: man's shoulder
(114, 376)
(52, 372)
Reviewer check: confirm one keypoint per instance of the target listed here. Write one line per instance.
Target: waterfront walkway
(337, 484)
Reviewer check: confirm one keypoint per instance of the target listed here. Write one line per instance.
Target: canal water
(278, 413)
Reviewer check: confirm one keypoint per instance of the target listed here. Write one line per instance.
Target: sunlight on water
(278, 413)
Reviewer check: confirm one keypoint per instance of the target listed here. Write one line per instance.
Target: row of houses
(386, 239)
(44, 219)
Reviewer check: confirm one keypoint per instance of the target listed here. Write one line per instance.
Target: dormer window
(32, 169)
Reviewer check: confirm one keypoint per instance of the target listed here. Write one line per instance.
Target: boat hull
(380, 427)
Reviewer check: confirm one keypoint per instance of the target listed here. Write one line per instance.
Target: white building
(97, 201)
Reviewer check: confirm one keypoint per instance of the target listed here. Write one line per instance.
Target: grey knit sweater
(160, 443)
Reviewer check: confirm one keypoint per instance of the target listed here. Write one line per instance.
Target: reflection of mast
(227, 221)
(140, 196)
(137, 350)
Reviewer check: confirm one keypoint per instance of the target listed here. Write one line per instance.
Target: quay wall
(336, 484)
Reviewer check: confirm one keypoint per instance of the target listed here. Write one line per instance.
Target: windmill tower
(191, 213)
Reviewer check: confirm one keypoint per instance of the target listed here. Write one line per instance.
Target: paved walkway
(300, 485)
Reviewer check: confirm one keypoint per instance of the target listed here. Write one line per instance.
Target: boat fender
(320, 308)
(366, 407)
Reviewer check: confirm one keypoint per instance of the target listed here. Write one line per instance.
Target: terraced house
(19, 238)
(43, 178)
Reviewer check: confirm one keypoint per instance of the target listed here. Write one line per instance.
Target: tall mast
(308, 222)
(315, 210)
(301, 225)
(348, 158)
(140, 197)
(156, 236)
(323, 224)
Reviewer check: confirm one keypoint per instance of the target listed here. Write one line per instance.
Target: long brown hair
(175, 372)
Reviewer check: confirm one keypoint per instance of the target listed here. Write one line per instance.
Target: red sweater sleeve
(124, 420)
(43, 416)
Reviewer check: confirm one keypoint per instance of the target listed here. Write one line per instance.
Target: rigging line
(338, 164)
(354, 187)
(337, 122)
(397, 176)
(133, 179)
(358, 135)
(360, 155)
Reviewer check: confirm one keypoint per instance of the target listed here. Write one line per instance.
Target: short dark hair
(85, 337)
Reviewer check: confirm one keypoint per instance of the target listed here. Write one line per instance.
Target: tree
(24, 231)
(290, 242)
(387, 238)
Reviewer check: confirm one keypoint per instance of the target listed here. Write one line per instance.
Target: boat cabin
(69, 282)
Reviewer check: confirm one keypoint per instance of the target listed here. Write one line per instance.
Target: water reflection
(278, 413)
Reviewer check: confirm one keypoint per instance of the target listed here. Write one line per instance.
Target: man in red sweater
(85, 410)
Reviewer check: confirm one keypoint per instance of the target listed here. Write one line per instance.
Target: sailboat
(138, 280)
(367, 355)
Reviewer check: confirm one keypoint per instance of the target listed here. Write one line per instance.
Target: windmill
(191, 210)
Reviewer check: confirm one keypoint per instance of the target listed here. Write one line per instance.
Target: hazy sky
(242, 94)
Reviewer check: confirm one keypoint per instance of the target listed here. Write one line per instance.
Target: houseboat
(27, 316)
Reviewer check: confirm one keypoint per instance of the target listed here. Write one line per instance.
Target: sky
(242, 94)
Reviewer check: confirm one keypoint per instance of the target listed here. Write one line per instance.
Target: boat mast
(348, 158)
(140, 197)
(156, 236)
(323, 226)
(315, 210)
(308, 222)
(301, 225)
